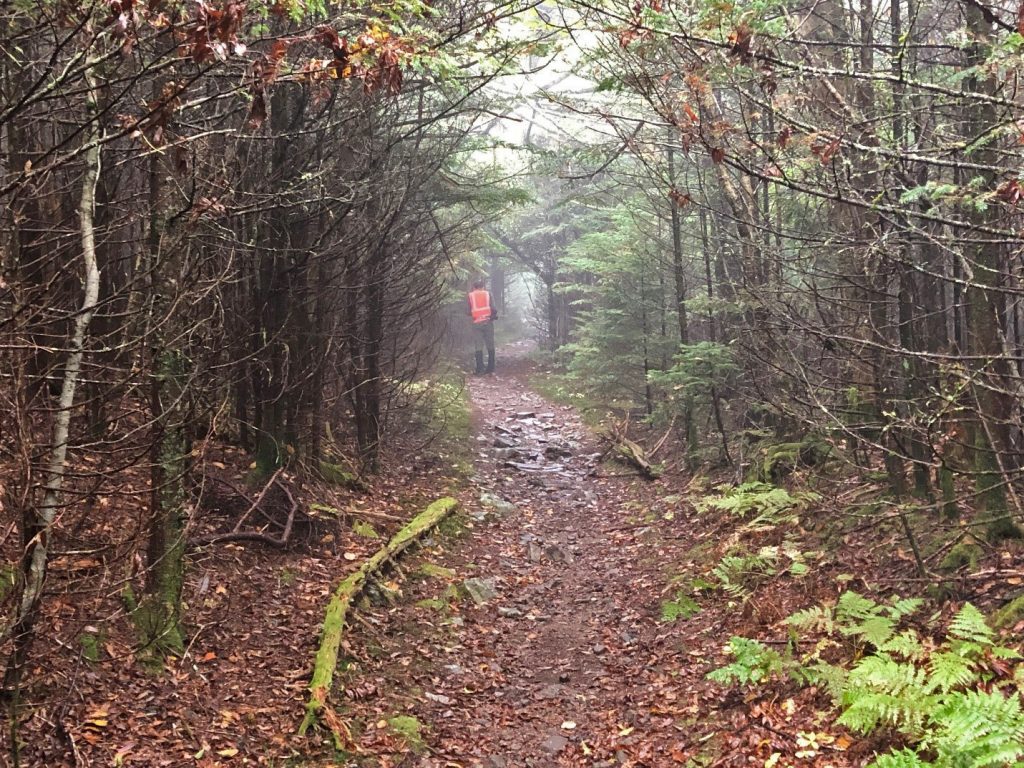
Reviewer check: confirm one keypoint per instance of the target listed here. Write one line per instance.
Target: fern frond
(949, 670)
(753, 662)
(815, 619)
(852, 605)
(880, 690)
(905, 758)
(827, 676)
(907, 645)
(876, 630)
(969, 624)
(976, 729)
(904, 607)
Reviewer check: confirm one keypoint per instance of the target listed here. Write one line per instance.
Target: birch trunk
(39, 520)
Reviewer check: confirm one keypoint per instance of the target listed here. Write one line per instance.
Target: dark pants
(483, 336)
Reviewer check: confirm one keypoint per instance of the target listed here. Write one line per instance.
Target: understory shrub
(763, 505)
(955, 699)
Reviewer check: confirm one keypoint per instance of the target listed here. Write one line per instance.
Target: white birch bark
(57, 463)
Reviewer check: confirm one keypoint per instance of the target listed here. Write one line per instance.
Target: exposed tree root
(348, 591)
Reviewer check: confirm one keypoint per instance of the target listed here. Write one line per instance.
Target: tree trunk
(37, 522)
(984, 304)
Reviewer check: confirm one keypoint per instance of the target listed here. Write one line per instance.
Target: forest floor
(568, 616)
(593, 623)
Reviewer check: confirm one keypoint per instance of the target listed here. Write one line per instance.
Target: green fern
(905, 645)
(948, 670)
(945, 697)
(883, 691)
(969, 624)
(874, 623)
(977, 729)
(904, 758)
(765, 505)
(738, 574)
(819, 618)
(753, 662)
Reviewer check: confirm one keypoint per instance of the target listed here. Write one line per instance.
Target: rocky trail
(556, 654)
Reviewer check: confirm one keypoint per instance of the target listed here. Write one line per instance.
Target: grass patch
(442, 402)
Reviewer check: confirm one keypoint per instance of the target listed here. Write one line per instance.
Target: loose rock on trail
(556, 656)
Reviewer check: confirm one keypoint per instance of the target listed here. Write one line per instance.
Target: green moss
(436, 571)
(781, 459)
(8, 579)
(432, 604)
(410, 730)
(453, 526)
(322, 510)
(128, 598)
(1009, 615)
(90, 643)
(340, 602)
(1002, 529)
(966, 553)
(286, 577)
(338, 475)
(158, 628)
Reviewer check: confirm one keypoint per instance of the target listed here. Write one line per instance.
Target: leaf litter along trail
(567, 663)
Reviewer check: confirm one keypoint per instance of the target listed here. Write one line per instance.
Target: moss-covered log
(349, 590)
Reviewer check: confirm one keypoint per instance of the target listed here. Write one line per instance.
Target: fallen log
(346, 593)
(631, 452)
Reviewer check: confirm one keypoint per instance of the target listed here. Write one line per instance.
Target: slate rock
(555, 743)
(557, 451)
(480, 590)
(509, 612)
(499, 505)
(553, 691)
(534, 552)
(557, 554)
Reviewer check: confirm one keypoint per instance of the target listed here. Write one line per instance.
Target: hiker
(483, 313)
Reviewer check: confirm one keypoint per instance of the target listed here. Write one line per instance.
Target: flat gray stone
(480, 590)
(499, 505)
(553, 691)
(534, 552)
(555, 743)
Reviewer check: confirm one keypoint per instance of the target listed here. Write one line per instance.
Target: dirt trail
(567, 663)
